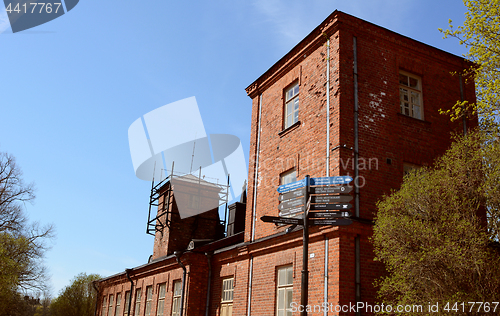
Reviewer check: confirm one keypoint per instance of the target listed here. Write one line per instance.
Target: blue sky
(70, 89)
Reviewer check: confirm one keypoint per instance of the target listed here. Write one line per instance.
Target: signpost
(292, 194)
(304, 284)
(334, 214)
(331, 198)
(292, 211)
(330, 207)
(282, 220)
(291, 204)
(330, 180)
(330, 189)
(336, 222)
(293, 197)
(291, 186)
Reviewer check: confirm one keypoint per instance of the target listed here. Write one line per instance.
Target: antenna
(192, 157)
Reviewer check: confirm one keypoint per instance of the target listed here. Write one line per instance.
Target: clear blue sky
(70, 88)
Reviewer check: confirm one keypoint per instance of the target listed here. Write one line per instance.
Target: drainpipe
(209, 260)
(97, 296)
(328, 107)
(325, 290)
(256, 174)
(357, 273)
(325, 298)
(250, 286)
(127, 271)
(178, 255)
(254, 208)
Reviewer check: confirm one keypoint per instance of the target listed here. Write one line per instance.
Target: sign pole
(304, 286)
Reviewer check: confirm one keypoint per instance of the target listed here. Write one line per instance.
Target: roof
(315, 38)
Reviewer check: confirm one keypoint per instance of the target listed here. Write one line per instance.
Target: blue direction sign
(291, 186)
(330, 180)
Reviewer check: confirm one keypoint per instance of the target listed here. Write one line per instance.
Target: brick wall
(387, 141)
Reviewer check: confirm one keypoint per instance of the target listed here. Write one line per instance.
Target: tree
(481, 35)
(77, 299)
(22, 244)
(432, 234)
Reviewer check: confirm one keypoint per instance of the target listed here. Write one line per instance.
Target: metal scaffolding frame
(159, 219)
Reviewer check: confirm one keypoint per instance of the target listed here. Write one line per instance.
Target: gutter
(178, 255)
(97, 296)
(256, 174)
(209, 260)
(254, 209)
(127, 271)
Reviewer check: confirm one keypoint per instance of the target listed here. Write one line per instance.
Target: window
(410, 95)
(408, 167)
(284, 291)
(226, 306)
(118, 304)
(137, 302)
(110, 306)
(127, 299)
(103, 306)
(292, 105)
(176, 301)
(161, 299)
(288, 176)
(149, 299)
(194, 201)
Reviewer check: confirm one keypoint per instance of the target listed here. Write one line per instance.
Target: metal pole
(304, 286)
(227, 197)
(357, 257)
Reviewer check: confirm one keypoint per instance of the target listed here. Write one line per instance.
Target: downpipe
(178, 255)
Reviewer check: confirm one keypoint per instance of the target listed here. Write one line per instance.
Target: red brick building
(351, 98)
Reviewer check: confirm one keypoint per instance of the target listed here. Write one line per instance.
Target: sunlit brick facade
(399, 85)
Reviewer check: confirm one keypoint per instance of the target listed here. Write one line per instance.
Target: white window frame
(176, 298)
(410, 95)
(284, 291)
(118, 304)
(226, 306)
(127, 299)
(110, 304)
(137, 301)
(149, 300)
(288, 176)
(104, 306)
(162, 290)
(291, 105)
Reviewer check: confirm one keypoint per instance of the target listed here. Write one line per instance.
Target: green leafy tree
(22, 244)
(481, 35)
(432, 234)
(77, 299)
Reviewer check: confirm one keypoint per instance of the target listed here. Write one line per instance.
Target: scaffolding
(158, 218)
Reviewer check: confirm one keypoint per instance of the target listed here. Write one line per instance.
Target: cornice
(295, 55)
